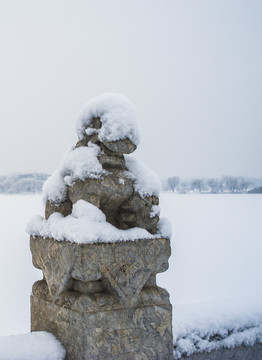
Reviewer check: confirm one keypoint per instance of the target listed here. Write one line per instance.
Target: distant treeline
(22, 183)
(32, 183)
(224, 184)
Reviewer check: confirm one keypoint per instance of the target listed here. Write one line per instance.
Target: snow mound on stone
(82, 163)
(77, 164)
(36, 345)
(116, 114)
(214, 325)
(146, 182)
(87, 224)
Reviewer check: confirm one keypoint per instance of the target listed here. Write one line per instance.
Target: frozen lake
(216, 244)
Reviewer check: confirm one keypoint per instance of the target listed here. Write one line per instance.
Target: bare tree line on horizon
(224, 184)
(33, 182)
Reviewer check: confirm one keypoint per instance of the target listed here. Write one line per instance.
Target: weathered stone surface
(64, 208)
(101, 299)
(140, 333)
(107, 193)
(93, 136)
(122, 268)
(136, 211)
(114, 195)
(124, 146)
(82, 142)
(238, 353)
(112, 162)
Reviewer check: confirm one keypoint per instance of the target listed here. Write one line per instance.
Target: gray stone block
(101, 300)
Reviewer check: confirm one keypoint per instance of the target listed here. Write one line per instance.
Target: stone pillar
(101, 245)
(101, 300)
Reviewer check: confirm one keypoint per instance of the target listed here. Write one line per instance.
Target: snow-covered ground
(17, 272)
(213, 280)
(217, 246)
(38, 345)
(215, 270)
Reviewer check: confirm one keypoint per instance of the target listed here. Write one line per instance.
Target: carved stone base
(140, 333)
(101, 300)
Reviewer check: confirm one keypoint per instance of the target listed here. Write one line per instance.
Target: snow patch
(36, 345)
(83, 209)
(90, 131)
(214, 325)
(146, 182)
(77, 164)
(165, 228)
(155, 211)
(116, 114)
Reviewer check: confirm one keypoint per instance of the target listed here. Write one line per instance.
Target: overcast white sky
(192, 68)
